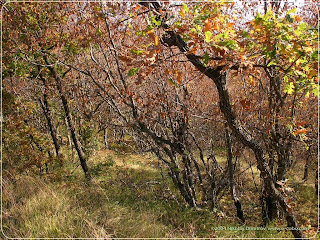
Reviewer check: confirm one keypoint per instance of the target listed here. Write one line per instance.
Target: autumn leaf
(302, 123)
(251, 81)
(297, 18)
(245, 104)
(182, 13)
(156, 40)
(216, 27)
(124, 58)
(179, 76)
(207, 26)
(300, 131)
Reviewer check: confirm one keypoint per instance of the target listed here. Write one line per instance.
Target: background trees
(181, 81)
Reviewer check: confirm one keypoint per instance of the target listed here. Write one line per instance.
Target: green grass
(126, 198)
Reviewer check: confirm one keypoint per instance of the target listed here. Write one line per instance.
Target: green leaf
(178, 24)
(98, 31)
(245, 34)
(185, 7)
(172, 82)
(271, 63)
(133, 71)
(149, 28)
(268, 14)
(193, 30)
(138, 33)
(206, 59)
(315, 89)
(136, 51)
(289, 88)
(208, 35)
(155, 22)
(315, 55)
(231, 44)
(289, 18)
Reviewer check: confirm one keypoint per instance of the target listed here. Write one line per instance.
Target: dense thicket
(177, 80)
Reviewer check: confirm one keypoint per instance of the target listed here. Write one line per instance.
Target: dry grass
(127, 198)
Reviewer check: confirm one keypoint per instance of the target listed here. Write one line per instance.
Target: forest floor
(129, 198)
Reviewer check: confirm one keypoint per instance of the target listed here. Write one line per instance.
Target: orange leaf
(216, 27)
(297, 18)
(156, 40)
(298, 124)
(182, 13)
(207, 26)
(300, 131)
(230, 25)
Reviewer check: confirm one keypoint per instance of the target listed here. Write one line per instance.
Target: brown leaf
(245, 104)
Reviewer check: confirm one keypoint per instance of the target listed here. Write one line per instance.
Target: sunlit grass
(127, 198)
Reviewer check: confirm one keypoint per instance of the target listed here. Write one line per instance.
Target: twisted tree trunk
(219, 78)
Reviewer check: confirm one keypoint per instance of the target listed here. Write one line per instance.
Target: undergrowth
(128, 197)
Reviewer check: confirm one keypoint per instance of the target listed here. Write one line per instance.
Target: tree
(301, 50)
(30, 48)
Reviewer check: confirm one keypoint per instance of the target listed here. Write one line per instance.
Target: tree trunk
(105, 137)
(316, 182)
(47, 113)
(234, 195)
(245, 138)
(76, 142)
(306, 166)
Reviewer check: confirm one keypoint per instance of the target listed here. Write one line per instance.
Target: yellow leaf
(251, 81)
(308, 49)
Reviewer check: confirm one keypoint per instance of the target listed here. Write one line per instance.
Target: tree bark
(234, 195)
